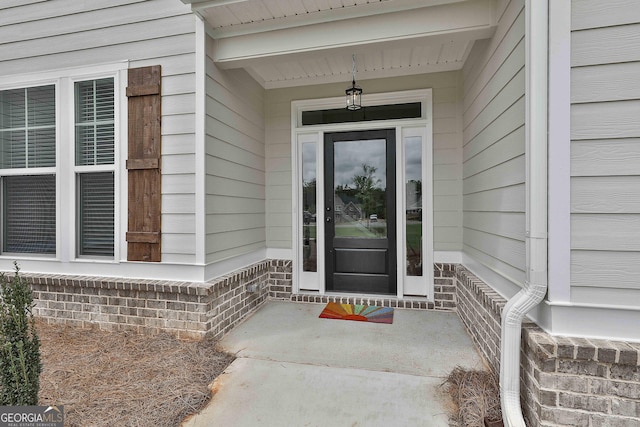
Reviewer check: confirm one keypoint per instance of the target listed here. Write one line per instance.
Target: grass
(124, 379)
(312, 231)
(414, 235)
(360, 231)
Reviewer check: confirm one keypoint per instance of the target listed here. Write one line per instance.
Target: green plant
(20, 364)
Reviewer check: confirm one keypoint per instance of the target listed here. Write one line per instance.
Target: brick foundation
(577, 381)
(480, 309)
(444, 295)
(564, 381)
(186, 309)
(191, 310)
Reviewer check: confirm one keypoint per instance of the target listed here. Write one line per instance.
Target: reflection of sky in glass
(413, 158)
(351, 155)
(308, 161)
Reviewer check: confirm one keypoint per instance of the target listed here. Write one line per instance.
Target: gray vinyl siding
(447, 152)
(58, 34)
(605, 152)
(235, 163)
(494, 144)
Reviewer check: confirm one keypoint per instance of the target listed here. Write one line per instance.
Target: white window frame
(47, 170)
(415, 285)
(315, 281)
(65, 170)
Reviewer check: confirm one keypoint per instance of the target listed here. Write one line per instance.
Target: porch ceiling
(284, 43)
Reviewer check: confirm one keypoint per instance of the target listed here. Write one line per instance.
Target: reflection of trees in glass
(416, 185)
(309, 219)
(365, 185)
(309, 196)
(414, 199)
(414, 227)
(368, 194)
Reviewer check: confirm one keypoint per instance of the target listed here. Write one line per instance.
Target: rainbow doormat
(360, 313)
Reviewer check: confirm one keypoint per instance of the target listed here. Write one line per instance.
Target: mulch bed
(123, 379)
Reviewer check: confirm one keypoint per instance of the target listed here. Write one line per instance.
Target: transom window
(410, 110)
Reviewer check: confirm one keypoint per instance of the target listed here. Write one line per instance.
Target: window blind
(96, 214)
(28, 127)
(95, 141)
(95, 130)
(29, 212)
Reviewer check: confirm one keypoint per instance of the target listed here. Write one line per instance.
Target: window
(309, 241)
(95, 213)
(411, 110)
(94, 122)
(94, 147)
(27, 168)
(58, 167)
(30, 214)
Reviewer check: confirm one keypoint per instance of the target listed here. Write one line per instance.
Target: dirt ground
(124, 379)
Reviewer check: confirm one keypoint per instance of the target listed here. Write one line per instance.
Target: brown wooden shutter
(143, 164)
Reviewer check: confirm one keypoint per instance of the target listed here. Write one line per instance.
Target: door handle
(328, 219)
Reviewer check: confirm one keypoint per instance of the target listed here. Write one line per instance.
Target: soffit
(284, 43)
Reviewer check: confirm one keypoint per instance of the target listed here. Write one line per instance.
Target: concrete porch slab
(264, 393)
(295, 369)
(419, 342)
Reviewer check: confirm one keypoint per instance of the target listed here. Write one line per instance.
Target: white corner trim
(200, 141)
(559, 151)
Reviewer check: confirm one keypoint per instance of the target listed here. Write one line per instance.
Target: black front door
(360, 211)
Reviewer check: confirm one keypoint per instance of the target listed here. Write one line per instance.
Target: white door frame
(314, 282)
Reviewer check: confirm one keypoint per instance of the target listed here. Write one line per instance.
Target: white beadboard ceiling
(284, 43)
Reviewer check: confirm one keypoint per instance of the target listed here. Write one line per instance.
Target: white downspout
(536, 42)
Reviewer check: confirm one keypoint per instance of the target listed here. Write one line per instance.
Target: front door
(360, 211)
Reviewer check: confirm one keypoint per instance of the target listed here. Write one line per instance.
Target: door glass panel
(413, 208)
(309, 246)
(360, 189)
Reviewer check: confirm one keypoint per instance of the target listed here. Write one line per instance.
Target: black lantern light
(354, 93)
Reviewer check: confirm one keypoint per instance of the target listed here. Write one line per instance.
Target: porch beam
(362, 75)
(462, 20)
(207, 9)
(207, 4)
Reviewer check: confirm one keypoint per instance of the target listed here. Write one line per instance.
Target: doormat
(360, 313)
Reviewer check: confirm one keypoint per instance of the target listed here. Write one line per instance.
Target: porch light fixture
(354, 93)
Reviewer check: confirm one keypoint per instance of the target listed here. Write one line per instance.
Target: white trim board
(592, 321)
(559, 145)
